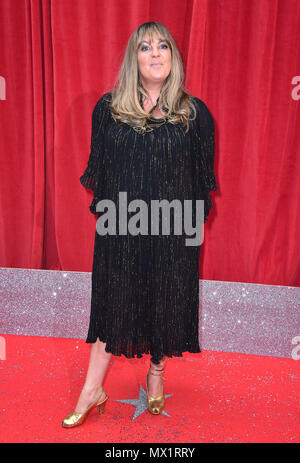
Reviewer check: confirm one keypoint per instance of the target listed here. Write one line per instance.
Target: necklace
(148, 127)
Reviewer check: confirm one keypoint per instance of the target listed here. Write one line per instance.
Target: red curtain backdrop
(241, 57)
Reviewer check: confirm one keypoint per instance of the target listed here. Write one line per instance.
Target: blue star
(141, 403)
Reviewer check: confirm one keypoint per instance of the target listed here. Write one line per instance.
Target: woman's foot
(86, 403)
(88, 396)
(155, 392)
(155, 378)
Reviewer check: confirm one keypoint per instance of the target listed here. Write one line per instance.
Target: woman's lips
(156, 64)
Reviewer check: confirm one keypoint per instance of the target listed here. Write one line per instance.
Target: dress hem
(146, 351)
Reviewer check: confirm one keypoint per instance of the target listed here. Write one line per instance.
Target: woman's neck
(153, 91)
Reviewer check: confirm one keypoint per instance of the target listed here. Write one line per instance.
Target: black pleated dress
(145, 287)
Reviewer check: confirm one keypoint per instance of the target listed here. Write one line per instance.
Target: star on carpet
(141, 403)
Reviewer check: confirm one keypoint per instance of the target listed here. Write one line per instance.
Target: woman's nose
(155, 51)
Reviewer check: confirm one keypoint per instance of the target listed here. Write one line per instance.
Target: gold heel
(101, 407)
(76, 419)
(155, 405)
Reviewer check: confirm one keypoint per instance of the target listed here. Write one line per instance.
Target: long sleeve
(204, 155)
(93, 173)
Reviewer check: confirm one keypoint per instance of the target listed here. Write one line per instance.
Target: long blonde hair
(127, 89)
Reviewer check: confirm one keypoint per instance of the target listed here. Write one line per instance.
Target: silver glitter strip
(233, 317)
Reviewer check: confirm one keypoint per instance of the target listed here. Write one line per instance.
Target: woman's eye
(145, 47)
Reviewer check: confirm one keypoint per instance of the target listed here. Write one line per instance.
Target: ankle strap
(155, 371)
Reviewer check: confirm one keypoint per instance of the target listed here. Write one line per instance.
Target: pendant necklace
(148, 127)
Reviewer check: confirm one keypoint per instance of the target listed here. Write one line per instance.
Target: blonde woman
(151, 140)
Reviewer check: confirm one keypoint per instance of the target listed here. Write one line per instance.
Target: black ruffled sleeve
(92, 175)
(204, 155)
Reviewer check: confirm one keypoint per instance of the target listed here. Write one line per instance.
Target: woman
(153, 141)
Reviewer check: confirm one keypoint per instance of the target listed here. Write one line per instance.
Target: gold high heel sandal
(155, 404)
(76, 419)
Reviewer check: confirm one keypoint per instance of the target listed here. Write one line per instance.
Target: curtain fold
(57, 58)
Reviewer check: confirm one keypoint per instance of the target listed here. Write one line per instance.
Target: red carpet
(214, 396)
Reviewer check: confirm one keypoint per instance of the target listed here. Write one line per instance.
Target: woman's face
(154, 61)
